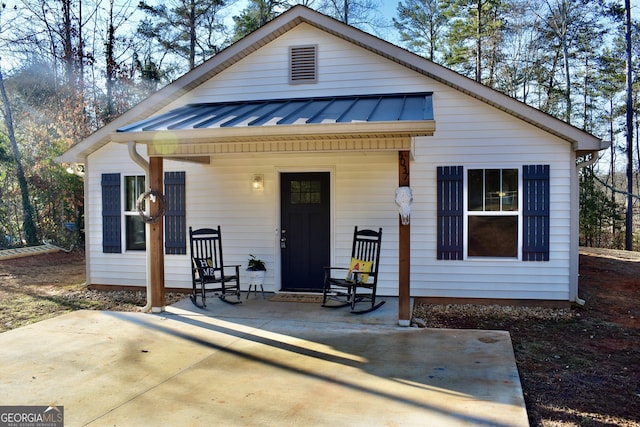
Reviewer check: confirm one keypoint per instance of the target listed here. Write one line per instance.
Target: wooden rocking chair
(208, 270)
(356, 284)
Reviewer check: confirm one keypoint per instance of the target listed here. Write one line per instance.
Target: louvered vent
(303, 64)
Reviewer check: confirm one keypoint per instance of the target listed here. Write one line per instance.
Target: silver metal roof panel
(297, 111)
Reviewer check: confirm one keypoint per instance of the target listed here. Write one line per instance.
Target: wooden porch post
(156, 232)
(404, 252)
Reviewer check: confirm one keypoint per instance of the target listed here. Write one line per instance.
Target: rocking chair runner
(358, 282)
(208, 271)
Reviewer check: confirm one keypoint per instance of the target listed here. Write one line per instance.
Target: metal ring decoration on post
(155, 197)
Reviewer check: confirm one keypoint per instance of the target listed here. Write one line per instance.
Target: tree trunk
(629, 218)
(479, 42)
(111, 62)
(192, 35)
(29, 225)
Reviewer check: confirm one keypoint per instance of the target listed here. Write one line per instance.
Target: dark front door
(304, 229)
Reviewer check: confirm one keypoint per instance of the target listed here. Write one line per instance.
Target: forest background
(68, 67)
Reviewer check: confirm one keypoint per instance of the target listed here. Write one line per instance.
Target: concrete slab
(260, 363)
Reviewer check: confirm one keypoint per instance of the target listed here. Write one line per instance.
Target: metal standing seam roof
(297, 111)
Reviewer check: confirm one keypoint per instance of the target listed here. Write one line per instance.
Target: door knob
(283, 239)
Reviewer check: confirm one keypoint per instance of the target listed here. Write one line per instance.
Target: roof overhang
(381, 136)
(345, 123)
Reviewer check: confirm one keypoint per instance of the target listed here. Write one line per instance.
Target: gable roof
(582, 142)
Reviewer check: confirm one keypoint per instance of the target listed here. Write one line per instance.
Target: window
(305, 192)
(120, 206)
(492, 213)
(134, 228)
(500, 206)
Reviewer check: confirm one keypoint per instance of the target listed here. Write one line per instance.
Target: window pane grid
(492, 190)
(492, 213)
(305, 192)
(135, 229)
(133, 188)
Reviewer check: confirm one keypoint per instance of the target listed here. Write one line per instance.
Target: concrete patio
(260, 363)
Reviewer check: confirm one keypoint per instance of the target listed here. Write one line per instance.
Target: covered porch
(200, 132)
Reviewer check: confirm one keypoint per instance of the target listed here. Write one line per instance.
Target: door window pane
(305, 192)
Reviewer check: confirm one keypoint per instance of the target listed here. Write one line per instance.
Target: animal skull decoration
(404, 198)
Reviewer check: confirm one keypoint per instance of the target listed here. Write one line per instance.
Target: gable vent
(303, 64)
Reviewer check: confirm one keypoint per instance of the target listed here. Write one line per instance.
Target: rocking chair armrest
(236, 267)
(335, 268)
(328, 270)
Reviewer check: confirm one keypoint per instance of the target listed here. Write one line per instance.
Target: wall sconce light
(257, 182)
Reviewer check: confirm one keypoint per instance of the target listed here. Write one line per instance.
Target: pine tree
(420, 24)
(256, 14)
(178, 28)
(475, 37)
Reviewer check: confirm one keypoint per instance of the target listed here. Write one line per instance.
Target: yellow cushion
(360, 266)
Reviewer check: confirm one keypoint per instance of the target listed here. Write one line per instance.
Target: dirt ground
(578, 368)
(38, 287)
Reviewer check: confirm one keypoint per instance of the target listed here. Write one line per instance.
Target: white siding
(362, 194)
(343, 69)
(468, 133)
(471, 134)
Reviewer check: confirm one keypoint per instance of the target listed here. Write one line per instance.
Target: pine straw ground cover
(578, 367)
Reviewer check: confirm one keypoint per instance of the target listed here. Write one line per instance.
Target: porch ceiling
(372, 122)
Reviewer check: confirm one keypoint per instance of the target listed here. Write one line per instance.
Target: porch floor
(260, 363)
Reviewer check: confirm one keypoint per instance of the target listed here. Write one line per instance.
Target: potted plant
(256, 264)
(257, 269)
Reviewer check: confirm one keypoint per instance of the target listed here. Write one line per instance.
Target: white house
(304, 129)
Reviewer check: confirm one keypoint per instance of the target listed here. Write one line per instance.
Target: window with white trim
(120, 202)
(134, 228)
(482, 213)
(492, 213)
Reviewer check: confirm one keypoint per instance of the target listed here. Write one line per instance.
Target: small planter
(256, 271)
(255, 277)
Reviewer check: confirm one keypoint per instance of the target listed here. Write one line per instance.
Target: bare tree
(363, 14)
(629, 129)
(29, 225)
